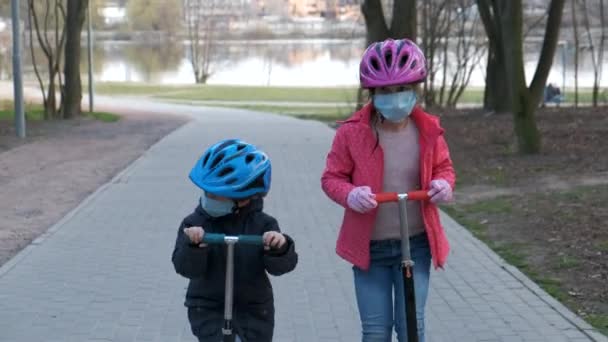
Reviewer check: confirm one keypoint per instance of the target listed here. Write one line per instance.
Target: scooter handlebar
(251, 239)
(422, 195)
(385, 197)
(213, 238)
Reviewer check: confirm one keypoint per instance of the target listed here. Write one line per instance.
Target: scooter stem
(228, 299)
(406, 257)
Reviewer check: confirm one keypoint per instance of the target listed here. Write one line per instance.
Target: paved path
(104, 273)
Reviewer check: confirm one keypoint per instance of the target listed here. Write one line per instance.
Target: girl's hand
(274, 240)
(440, 191)
(361, 199)
(195, 234)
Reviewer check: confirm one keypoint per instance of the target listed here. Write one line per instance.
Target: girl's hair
(374, 119)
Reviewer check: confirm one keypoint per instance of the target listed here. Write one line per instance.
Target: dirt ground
(545, 213)
(60, 164)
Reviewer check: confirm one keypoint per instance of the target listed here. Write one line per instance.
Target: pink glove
(361, 199)
(441, 191)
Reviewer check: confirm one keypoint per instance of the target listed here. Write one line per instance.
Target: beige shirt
(401, 174)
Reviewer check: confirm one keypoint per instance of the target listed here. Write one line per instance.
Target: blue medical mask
(395, 107)
(216, 208)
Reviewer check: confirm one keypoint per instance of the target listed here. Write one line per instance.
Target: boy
(235, 176)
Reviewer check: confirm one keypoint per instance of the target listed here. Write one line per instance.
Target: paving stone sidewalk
(104, 272)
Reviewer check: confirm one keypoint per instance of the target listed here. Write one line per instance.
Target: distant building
(348, 9)
(331, 9)
(217, 9)
(307, 8)
(271, 8)
(113, 14)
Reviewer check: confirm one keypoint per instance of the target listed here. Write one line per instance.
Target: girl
(391, 144)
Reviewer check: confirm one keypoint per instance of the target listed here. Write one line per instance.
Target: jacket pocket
(206, 324)
(258, 323)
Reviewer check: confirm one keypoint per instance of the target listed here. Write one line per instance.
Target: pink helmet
(392, 62)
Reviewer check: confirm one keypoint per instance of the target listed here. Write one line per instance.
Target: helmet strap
(235, 207)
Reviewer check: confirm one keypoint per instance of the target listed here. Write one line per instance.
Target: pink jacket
(354, 160)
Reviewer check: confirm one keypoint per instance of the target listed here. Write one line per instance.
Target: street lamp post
(90, 54)
(17, 75)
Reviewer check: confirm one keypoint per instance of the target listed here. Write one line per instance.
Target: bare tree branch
(548, 49)
(37, 28)
(535, 24)
(47, 12)
(34, 62)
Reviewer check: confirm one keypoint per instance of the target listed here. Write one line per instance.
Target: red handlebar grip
(384, 197)
(418, 196)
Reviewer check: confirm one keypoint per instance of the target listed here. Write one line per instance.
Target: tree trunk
(576, 46)
(377, 30)
(600, 58)
(528, 137)
(50, 106)
(587, 25)
(597, 59)
(404, 23)
(76, 10)
(525, 100)
(496, 90)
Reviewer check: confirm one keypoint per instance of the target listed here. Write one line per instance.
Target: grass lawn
(325, 114)
(346, 95)
(35, 112)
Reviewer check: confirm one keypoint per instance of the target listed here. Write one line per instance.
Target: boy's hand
(274, 240)
(196, 234)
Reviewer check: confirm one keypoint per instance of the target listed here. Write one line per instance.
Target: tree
(5, 8)
(576, 50)
(72, 94)
(495, 93)
(96, 14)
(450, 42)
(599, 58)
(436, 22)
(470, 48)
(503, 19)
(47, 20)
(154, 15)
(201, 48)
(403, 24)
(164, 56)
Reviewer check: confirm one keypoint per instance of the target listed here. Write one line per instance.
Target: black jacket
(206, 269)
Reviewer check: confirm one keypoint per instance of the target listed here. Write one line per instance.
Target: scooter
(230, 242)
(407, 264)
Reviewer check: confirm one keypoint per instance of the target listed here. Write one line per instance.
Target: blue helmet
(233, 168)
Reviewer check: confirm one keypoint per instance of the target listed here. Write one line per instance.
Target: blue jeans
(374, 289)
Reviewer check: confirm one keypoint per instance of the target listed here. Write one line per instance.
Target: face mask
(395, 107)
(216, 208)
